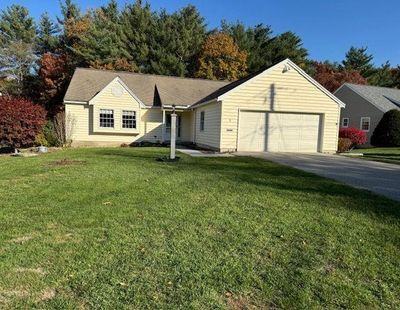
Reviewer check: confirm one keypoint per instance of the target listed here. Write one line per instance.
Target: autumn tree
(20, 121)
(221, 59)
(54, 74)
(332, 79)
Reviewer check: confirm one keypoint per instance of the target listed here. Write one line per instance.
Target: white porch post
(173, 134)
(163, 126)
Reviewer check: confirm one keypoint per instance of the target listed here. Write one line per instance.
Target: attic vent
(117, 91)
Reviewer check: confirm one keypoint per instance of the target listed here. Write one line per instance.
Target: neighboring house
(365, 105)
(279, 109)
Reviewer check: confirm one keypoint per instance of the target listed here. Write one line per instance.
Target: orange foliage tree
(220, 58)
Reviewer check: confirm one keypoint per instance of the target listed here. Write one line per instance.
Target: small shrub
(344, 145)
(357, 136)
(41, 140)
(124, 145)
(20, 121)
(387, 132)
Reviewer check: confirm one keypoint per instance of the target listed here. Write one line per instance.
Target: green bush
(387, 133)
(47, 137)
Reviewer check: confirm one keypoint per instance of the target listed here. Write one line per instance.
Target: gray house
(365, 105)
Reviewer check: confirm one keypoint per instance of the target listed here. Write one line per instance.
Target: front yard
(383, 154)
(114, 228)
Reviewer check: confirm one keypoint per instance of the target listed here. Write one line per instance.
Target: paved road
(381, 178)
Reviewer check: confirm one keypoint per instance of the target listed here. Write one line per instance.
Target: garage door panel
(279, 132)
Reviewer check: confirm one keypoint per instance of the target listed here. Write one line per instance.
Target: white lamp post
(173, 133)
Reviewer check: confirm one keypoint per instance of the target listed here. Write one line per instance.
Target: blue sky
(327, 27)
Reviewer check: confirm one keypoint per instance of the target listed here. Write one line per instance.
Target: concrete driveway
(377, 177)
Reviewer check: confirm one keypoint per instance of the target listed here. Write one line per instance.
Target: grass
(383, 154)
(115, 229)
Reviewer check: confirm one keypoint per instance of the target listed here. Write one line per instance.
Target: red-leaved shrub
(20, 121)
(357, 136)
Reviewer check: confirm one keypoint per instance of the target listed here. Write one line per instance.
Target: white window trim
(369, 123)
(202, 123)
(99, 119)
(348, 121)
(122, 120)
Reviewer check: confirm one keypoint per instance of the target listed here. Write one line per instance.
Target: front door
(168, 127)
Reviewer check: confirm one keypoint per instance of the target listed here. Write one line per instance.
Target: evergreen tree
(138, 24)
(387, 132)
(254, 40)
(359, 60)
(16, 25)
(383, 76)
(287, 45)
(47, 39)
(176, 42)
(102, 44)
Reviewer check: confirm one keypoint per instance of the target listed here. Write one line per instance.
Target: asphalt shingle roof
(150, 89)
(383, 98)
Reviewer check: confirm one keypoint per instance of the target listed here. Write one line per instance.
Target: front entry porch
(183, 125)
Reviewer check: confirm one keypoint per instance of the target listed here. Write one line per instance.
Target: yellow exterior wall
(280, 92)
(210, 137)
(85, 120)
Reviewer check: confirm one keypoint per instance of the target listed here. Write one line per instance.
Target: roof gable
(151, 90)
(236, 85)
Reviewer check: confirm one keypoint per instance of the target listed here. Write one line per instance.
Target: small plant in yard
(356, 136)
(20, 121)
(344, 145)
(387, 132)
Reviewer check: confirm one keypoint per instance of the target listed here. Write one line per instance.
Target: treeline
(38, 59)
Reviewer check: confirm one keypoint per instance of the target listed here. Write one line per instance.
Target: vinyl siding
(210, 137)
(276, 91)
(85, 120)
(187, 126)
(357, 107)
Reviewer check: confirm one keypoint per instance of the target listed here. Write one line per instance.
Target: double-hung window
(129, 119)
(365, 123)
(345, 122)
(106, 118)
(202, 115)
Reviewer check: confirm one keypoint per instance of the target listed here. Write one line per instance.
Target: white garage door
(278, 132)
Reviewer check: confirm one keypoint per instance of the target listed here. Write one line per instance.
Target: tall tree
(221, 59)
(254, 40)
(358, 59)
(102, 44)
(16, 25)
(176, 42)
(138, 26)
(383, 76)
(332, 78)
(287, 45)
(47, 39)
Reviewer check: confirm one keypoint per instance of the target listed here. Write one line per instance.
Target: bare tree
(64, 126)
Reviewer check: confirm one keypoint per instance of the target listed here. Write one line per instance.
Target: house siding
(85, 120)
(357, 107)
(276, 91)
(210, 137)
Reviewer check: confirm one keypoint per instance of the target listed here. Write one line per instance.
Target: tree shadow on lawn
(261, 173)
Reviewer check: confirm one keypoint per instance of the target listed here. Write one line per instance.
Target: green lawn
(383, 154)
(114, 228)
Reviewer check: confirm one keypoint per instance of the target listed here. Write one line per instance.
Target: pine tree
(16, 25)
(102, 45)
(47, 39)
(254, 40)
(138, 24)
(286, 45)
(177, 41)
(358, 59)
(383, 76)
